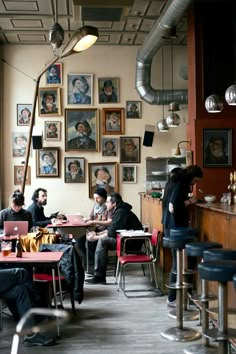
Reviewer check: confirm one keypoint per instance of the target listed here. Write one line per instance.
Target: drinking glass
(6, 248)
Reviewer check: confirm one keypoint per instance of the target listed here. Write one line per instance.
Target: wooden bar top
(220, 207)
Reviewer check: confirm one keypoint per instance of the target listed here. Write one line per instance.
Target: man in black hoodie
(122, 218)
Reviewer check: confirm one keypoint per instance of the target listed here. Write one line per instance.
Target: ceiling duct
(90, 10)
(172, 13)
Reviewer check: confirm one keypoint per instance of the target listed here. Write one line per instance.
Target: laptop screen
(15, 227)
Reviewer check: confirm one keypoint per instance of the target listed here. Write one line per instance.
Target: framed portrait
(108, 90)
(109, 147)
(49, 102)
(24, 112)
(80, 89)
(52, 130)
(19, 174)
(103, 175)
(19, 143)
(74, 168)
(47, 162)
(54, 75)
(113, 122)
(217, 147)
(130, 149)
(128, 174)
(133, 109)
(82, 129)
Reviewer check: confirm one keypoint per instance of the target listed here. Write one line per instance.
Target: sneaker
(38, 339)
(171, 303)
(96, 280)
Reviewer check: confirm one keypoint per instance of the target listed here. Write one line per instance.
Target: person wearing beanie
(100, 218)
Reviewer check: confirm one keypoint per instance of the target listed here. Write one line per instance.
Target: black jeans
(101, 254)
(81, 243)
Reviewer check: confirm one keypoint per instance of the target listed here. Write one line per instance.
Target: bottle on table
(19, 248)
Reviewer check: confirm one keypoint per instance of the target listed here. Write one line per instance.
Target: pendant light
(56, 33)
(214, 104)
(173, 119)
(230, 95)
(161, 125)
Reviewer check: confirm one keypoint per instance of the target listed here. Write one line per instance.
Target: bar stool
(221, 271)
(177, 240)
(196, 249)
(234, 279)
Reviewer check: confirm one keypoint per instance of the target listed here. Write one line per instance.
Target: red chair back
(154, 238)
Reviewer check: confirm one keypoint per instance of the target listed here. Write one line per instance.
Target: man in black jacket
(123, 218)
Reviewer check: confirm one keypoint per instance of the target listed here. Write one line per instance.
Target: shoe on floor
(38, 339)
(171, 303)
(96, 280)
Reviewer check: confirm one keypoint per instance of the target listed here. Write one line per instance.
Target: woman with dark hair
(176, 204)
(15, 211)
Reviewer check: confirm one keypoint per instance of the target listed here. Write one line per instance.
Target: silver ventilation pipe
(172, 13)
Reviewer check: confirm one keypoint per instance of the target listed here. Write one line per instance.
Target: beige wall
(101, 61)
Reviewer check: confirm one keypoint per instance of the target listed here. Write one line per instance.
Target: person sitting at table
(16, 212)
(122, 218)
(99, 217)
(16, 290)
(39, 199)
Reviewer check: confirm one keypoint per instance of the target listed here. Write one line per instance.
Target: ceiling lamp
(162, 125)
(173, 106)
(230, 95)
(169, 33)
(214, 104)
(173, 120)
(56, 33)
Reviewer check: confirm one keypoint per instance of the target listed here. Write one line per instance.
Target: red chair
(150, 257)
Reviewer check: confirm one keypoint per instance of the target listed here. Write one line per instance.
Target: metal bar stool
(196, 249)
(221, 271)
(177, 240)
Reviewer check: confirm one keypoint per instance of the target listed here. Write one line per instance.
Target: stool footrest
(213, 333)
(210, 297)
(181, 286)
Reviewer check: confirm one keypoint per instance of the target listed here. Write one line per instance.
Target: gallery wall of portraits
(92, 122)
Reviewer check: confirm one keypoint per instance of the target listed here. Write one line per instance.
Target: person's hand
(90, 222)
(91, 236)
(171, 208)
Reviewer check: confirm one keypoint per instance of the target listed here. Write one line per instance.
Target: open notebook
(15, 227)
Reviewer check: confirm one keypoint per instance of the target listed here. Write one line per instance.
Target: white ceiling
(28, 21)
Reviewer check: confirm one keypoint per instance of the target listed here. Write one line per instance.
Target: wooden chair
(150, 257)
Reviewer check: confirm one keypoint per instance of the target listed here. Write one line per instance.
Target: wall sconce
(214, 104)
(177, 151)
(82, 39)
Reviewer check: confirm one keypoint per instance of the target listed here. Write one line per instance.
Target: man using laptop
(15, 212)
(39, 199)
(122, 218)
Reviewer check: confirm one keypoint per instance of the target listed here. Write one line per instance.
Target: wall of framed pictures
(88, 111)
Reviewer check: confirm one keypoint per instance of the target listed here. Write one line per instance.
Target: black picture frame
(217, 147)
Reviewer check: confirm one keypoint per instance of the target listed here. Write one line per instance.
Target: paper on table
(131, 233)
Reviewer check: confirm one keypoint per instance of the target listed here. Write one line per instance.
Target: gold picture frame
(19, 173)
(101, 171)
(113, 121)
(47, 162)
(49, 102)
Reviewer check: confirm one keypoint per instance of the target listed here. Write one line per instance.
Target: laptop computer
(15, 227)
(75, 220)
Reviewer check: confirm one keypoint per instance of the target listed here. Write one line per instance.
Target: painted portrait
(49, 102)
(109, 146)
(47, 162)
(103, 175)
(24, 112)
(54, 75)
(80, 89)
(74, 170)
(109, 91)
(19, 144)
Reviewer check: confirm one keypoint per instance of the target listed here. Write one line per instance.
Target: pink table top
(32, 257)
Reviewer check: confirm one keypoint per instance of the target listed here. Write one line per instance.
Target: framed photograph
(113, 122)
(217, 147)
(103, 175)
(189, 158)
(19, 144)
(130, 149)
(52, 130)
(19, 174)
(47, 162)
(54, 75)
(80, 89)
(108, 90)
(74, 168)
(109, 147)
(49, 102)
(24, 112)
(82, 129)
(128, 173)
(133, 109)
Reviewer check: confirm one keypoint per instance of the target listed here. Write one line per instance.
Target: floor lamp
(82, 39)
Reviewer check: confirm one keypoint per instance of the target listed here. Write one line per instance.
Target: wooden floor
(107, 322)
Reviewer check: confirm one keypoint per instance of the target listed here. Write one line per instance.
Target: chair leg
(117, 270)
(72, 300)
